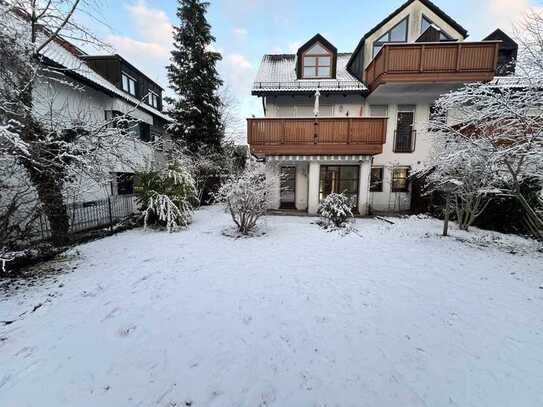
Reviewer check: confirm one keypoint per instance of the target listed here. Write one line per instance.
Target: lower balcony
(316, 136)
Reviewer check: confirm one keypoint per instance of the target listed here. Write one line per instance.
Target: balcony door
(288, 187)
(403, 142)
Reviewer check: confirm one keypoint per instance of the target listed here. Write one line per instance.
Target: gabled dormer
(316, 59)
(405, 25)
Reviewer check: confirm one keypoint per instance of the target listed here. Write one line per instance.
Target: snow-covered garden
(387, 315)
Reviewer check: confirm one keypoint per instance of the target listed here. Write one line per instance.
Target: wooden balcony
(322, 136)
(433, 62)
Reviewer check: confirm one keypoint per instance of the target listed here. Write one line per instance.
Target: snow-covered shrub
(336, 210)
(167, 197)
(245, 197)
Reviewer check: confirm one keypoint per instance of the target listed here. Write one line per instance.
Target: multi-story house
(98, 88)
(358, 122)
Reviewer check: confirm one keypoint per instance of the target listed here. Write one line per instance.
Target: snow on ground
(392, 315)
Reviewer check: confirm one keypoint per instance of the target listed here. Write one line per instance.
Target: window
(129, 84)
(379, 110)
(376, 182)
(125, 183)
(397, 34)
(317, 62)
(144, 132)
(339, 179)
(426, 23)
(400, 179)
(153, 99)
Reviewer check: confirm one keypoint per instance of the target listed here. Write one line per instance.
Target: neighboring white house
(107, 85)
(358, 122)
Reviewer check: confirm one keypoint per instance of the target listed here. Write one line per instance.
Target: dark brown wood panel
(431, 62)
(316, 136)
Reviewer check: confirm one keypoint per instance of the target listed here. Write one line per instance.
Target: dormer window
(317, 62)
(397, 34)
(129, 84)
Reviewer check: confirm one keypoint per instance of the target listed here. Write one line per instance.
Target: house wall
(385, 201)
(303, 106)
(63, 105)
(388, 201)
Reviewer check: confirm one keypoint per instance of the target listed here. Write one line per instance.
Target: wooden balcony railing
(310, 136)
(433, 62)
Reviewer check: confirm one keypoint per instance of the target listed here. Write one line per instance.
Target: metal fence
(91, 215)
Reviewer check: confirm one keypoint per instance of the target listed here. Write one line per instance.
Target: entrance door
(288, 187)
(404, 132)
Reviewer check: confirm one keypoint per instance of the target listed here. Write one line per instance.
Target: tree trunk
(532, 216)
(46, 174)
(50, 192)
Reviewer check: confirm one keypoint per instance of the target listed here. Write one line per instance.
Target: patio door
(339, 179)
(288, 187)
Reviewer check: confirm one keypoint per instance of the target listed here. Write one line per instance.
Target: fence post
(110, 214)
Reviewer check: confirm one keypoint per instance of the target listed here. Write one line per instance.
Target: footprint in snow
(124, 332)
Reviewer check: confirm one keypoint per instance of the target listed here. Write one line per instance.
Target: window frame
(322, 182)
(129, 80)
(380, 44)
(153, 99)
(394, 179)
(129, 178)
(442, 32)
(316, 67)
(379, 185)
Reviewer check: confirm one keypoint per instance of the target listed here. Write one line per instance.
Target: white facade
(280, 76)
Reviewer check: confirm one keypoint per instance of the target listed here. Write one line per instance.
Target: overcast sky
(140, 30)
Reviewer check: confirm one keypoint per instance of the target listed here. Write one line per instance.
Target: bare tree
(51, 141)
(467, 176)
(498, 126)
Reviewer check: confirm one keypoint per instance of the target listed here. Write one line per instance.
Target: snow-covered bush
(468, 177)
(167, 197)
(336, 210)
(245, 197)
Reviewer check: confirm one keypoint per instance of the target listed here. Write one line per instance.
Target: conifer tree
(196, 107)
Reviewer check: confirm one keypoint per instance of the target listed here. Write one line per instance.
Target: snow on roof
(56, 53)
(277, 73)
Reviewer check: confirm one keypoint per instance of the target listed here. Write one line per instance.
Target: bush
(336, 210)
(245, 198)
(167, 197)
(505, 213)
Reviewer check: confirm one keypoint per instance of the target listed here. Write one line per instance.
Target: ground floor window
(376, 182)
(339, 179)
(124, 183)
(400, 179)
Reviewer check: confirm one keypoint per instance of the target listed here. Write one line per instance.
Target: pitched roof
(277, 73)
(58, 53)
(498, 34)
(444, 16)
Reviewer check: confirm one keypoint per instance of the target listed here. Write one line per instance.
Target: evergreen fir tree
(194, 78)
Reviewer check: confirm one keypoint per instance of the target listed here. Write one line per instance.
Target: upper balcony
(440, 63)
(316, 136)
